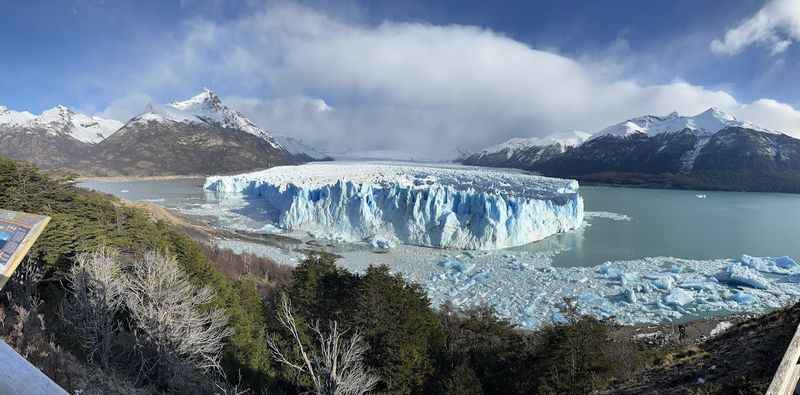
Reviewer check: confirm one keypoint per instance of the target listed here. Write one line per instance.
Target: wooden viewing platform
(788, 372)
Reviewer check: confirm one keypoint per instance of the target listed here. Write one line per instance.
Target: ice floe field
(617, 258)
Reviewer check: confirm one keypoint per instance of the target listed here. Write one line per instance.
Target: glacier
(454, 207)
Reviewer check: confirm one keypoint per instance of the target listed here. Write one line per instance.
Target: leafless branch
(94, 297)
(337, 367)
(176, 315)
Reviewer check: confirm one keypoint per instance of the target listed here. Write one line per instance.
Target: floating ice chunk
(738, 274)
(612, 273)
(381, 243)
(779, 265)
(477, 278)
(446, 207)
(455, 265)
(785, 262)
(697, 285)
(661, 280)
(679, 297)
(629, 295)
(743, 298)
(606, 215)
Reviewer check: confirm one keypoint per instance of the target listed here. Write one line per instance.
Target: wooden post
(785, 379)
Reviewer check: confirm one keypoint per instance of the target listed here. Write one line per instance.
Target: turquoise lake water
(659, 222)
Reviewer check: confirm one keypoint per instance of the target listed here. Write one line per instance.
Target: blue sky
(323, 69)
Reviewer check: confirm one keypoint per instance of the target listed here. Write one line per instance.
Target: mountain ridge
(199, 135)
(711, 150)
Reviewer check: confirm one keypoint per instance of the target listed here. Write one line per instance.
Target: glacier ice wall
(435, 213)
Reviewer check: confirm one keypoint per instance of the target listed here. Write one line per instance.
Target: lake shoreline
(138, 178)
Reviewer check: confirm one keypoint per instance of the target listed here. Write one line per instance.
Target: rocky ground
(739, 360)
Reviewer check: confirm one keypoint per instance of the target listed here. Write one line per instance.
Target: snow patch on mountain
(704, 124)
(514, 145)
(207, 107)
(61, 120)
(436, 206)
(14, 118)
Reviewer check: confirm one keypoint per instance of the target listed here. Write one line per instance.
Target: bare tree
(95, 296)
(337, 368)
(174, 315)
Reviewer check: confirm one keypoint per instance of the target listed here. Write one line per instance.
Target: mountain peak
(59, 114)
(206, 98)
(716, 112)
(706, 123)
(207, 107)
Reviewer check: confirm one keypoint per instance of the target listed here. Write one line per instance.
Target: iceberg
(739, 274)
(679, 297)
(426, 205)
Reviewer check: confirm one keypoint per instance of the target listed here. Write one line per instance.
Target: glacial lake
(656, 244)
(623, 224)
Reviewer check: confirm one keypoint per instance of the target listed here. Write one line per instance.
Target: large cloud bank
(415, 87)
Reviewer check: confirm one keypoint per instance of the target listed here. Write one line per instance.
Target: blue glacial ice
(434, 206)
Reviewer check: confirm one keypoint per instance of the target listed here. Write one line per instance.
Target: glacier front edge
(435, 206)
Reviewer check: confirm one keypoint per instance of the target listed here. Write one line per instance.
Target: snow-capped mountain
(200, 135)
(514, 145)
(197, 136)
(88, 129)
(58, 137)
(14, 118)
(207, 107)
(712, 149)
(704, 124)
(61, 120)
(524, 152)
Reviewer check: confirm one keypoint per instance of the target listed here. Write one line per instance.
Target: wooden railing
(788, 373)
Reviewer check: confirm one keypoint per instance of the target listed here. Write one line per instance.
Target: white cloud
(771, 114)
(774, 26)
(412, 86)
(127, 107)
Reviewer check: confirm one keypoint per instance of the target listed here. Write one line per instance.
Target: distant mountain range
(711, 150)
(201, 135)
(522, 152)
(197, 136)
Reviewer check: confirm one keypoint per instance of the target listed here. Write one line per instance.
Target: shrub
(95, 297)
(334, 364)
